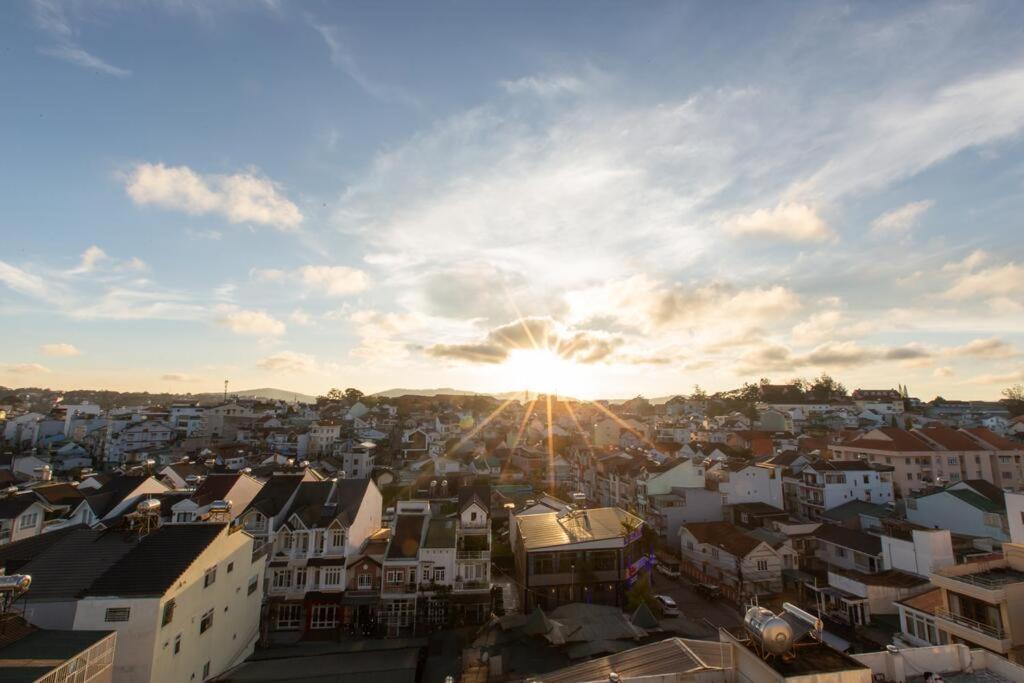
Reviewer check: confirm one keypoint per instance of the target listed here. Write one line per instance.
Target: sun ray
(522, 425)
(623, 424)
(476, 430)
(551, 447)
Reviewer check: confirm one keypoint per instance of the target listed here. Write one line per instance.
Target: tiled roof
(948, 438)
(892, 439)
(987, 436)
(725, 535)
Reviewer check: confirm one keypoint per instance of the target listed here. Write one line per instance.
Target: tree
(1014, 399)
(333, 395)
(824, 388)
(353, 395)
(640, 592)
(698, 394)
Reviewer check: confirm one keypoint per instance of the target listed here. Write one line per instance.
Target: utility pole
(225, 391)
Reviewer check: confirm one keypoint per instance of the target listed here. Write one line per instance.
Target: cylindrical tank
(774, 633)
(148, 506)
(19, 582)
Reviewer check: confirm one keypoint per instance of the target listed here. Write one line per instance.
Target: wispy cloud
(901, 219)
(51, 17)
(343, 59)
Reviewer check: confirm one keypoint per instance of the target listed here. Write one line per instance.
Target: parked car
(709, 590)
(668, 606)
(667, 570)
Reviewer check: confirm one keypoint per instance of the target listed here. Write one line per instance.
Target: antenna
(225, 391)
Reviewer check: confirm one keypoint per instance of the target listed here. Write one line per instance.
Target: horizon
(632, 201)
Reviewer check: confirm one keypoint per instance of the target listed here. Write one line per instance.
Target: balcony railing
(982, 628)
(471, 585)
(473, 554)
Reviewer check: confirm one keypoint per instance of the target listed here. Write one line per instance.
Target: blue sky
(602, 200)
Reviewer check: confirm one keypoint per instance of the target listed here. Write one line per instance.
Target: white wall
(145, 650)
(1015, 514)
(946, 511)
(928, 551)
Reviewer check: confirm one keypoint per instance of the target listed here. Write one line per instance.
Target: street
(699, 616)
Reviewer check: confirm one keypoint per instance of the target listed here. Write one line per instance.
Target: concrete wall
(946, 511)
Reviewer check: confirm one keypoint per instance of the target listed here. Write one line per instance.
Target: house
(886, 402)
(660, 479)
(666, 512)
(22, 515)
(182, 475)
(323, 523)
(134, 441)
(356, 459)
(973, 507)
(828, 484)
(589, 555)
(28, 653)
(723, 553)
(437, 568)
(231, 491)
(323, 435)
(745, 482)
(184, 599)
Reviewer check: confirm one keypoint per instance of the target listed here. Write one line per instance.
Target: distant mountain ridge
(443, 391)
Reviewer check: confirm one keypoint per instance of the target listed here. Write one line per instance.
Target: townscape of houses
(178, 540)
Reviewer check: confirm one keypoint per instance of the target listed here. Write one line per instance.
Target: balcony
(473, 555)
(472, 585)
(990, 637)
(989, 581)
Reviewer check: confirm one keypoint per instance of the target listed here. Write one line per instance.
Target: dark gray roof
(63, 564)
(153, 565)
(35, 651)
(849, 538)
(670, 656)
(440, 534)
(13, 505)
(276, 493)
(405, 543)
(112, 493)
(854, 508)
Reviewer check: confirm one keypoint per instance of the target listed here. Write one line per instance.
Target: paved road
(699, 616)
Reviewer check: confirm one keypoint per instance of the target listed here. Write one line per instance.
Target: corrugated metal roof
(554, 529)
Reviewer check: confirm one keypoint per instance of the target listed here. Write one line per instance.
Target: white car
(668, 606)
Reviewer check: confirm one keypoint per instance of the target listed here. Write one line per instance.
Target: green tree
(353, 395)
(1013, 397)
(698, 394)
(640, 592)
(824, 388)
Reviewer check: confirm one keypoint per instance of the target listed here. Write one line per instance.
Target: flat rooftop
(810, 658)
(993, 577)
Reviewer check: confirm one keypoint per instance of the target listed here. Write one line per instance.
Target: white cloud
(75, 54)
(543, 86)
(62, 350)
(25, 369)
(943, 372)
(984, 348)
(242, 321)
(300, 317)
(288, 362)
(900, 220)
(334, 280)
(241, 197)
(50, 16)
(997, 281)
(24, 282)
(90, 258)
(177, 377)
(790, 221)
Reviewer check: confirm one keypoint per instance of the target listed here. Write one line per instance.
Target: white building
(824, 485)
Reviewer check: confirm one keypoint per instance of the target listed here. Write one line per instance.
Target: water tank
(19, 582)
(223, 506)
(774, 633)
(148, 506)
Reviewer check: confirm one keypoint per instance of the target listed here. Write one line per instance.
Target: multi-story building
(741, 562)
(824, 485)
(323, 435)
(437, 568)
(184, 599)
(885, 402)
(588, 555)
(133, 441)
(938, 455)
(324, 523)
(746, 482)
(660, 479)
(356, 459)
(972, 507)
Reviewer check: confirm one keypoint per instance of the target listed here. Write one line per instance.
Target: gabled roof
(479, 493)
(891, 439)
(948, 438)
(854, 508)
(159, 559)
(993, 440)
(275, 493)
(725, 535)
(59, 493)
(13, 505)
(113, 492)
(974, 500)
(215, 487)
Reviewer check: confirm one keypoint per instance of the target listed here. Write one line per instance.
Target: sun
(543, 371)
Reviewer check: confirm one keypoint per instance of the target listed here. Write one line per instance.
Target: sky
(601, 200)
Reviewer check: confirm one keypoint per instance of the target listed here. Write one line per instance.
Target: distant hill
(443, 391)
(270, 394)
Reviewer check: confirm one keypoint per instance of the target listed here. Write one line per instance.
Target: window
(1007, 475)
(332, 576)
(395, 576)
(210, 576)
(365, 582)
(689, 545)
(910, 476)
(117, 614)
(472, 516)
(289, 617)
(426, 574)
(168, 613)
(324, 616)
(286, 540)
(29, 520)
(254, 583)
(951, 460)
(282, 578)
(231, 567)
(840, 552)
(714, 553)
(338, 538)
(543, 563)
(762, 565)
(439, 574)
(206, 622)
(300, 577)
